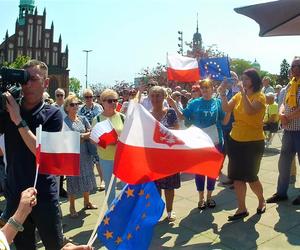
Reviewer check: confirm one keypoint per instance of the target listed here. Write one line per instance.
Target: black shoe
(63, 193)
(276, 198)
(296, 201)
(261, 210)
(229, 182)
(238, 216)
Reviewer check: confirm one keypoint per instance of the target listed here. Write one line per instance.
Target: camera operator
(19, 126)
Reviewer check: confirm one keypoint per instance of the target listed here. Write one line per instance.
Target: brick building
(33, 39)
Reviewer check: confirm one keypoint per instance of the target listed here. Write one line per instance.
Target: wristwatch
(22, 124)
(16, 225)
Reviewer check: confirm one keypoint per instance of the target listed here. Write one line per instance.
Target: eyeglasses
(59, 95)
(295, 65)
(74, 104)
(88, 97)
(110, 101)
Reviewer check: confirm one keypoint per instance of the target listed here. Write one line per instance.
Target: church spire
(25, 7)
(197, 39)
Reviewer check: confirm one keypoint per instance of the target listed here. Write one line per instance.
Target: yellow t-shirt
(248, 127)
(271, 109)
(108, 153)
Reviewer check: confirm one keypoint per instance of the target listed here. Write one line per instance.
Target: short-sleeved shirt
(21, 162)
(204, 113)
(248, 127)
(271, 109)
(90, 113)
(294, 124)
(108, 153)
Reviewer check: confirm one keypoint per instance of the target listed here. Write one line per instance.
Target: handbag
(212, 131)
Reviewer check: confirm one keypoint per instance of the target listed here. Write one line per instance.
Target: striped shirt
(294, 124)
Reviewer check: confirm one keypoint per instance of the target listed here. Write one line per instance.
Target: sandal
(90, 206)
(211, 203)
(201, 205)
(73, 213)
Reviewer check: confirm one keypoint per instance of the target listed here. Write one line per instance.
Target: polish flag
(148, 151)
(58, 153)
(104, 134)
(182, 69)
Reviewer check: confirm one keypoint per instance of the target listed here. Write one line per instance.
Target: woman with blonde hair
(85, 182)
(109, 100)
(167, 117)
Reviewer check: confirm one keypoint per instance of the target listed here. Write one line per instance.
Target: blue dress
(86, 181)
(172, 181)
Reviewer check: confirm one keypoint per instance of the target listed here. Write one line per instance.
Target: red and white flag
(104, 134)
(148, 151)
(182, 69)
(58, 153)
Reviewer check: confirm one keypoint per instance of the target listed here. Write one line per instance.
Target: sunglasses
(74, 104)
(88, 97)
(59, 95)
(295, 65)
(110, 101)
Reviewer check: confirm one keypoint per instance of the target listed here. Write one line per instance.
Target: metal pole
(86, 66)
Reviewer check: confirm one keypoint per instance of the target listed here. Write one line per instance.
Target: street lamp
(86, 65)
(180, 45)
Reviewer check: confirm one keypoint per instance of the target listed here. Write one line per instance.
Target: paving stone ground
(278, 228)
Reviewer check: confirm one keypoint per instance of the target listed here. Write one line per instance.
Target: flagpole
(39, 145)
(100, 217)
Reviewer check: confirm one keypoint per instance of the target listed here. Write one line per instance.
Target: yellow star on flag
(106, 220)
(108, 234)
(137, 228)
(148, 204)
(129, 192)
(144, 215)
(147, 196)
(112, 207)
(142, 192)
(119, 240)
(129, 236)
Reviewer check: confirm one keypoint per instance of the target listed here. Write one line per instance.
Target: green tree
(158, 74)
(97, 87)
(18, 63)
(74, 85)
(239, 65)
(283, 77)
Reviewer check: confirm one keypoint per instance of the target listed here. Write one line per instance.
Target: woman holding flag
(206, 113)
(109, 100)
(167, 117)
(86, 182)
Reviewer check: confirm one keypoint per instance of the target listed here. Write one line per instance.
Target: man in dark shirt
(19, 127)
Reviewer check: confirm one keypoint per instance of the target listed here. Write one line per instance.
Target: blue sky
(128, 35)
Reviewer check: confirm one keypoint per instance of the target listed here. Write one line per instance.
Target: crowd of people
(240, 115)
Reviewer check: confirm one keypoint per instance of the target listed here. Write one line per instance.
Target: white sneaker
(171, 216)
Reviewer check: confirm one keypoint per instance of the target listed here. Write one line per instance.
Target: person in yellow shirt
(271, 118)
(109, 99)
(246, 142)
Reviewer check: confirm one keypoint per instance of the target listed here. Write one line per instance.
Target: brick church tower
(33, 39)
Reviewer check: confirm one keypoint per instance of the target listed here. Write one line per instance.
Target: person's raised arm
(173, 105)
(14, 112)
(226, 106)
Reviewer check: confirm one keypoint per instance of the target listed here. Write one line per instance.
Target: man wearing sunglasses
(59, 103)
(19, 127)
(91, 109)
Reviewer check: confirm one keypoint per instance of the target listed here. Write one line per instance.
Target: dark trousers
(46, 218)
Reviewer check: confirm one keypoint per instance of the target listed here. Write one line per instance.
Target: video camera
(11, 81)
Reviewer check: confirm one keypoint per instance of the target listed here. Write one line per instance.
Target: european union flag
(215, 68)
(130, 219)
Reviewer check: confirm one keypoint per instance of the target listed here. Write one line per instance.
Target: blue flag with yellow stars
(214, 68)
(130, 219)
